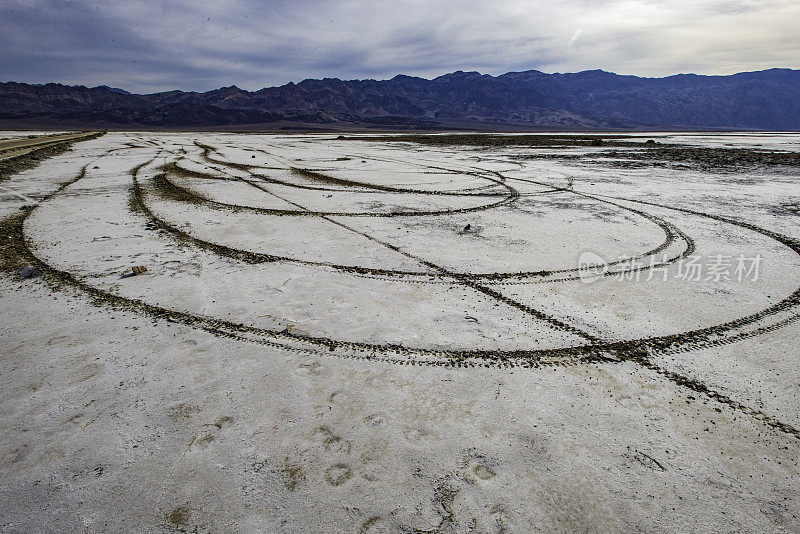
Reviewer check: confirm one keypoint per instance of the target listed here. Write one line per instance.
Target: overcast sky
(156, 45)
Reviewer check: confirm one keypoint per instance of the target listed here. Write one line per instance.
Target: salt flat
(342, 334)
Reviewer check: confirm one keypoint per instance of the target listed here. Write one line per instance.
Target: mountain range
(595, 99)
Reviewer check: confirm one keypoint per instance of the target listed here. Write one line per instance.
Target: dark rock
(29, 271)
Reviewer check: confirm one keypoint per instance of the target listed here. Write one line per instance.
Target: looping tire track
(702, 337)
(671, 232)
(353, 185)
(173, 168)
(460, 278)
(636, 351)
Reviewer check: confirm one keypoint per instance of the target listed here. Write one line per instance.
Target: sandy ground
(355, 336)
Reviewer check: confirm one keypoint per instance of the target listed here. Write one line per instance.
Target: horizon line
(292, 83)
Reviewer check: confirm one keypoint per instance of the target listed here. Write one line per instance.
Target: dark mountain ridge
(766, 100)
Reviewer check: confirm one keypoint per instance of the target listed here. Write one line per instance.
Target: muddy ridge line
(648, 151)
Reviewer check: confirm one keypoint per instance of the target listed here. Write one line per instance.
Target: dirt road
(17, 147)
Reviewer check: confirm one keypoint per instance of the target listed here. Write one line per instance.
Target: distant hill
(765, 100)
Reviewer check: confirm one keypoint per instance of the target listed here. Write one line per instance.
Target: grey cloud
(146, 45)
